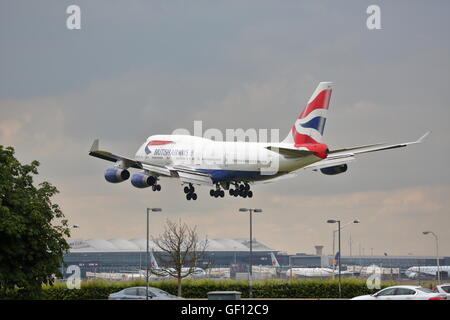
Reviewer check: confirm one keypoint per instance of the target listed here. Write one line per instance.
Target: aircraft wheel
(194, 196)
(211, 193)
(231, 192)
(188, 196)
(246, 186)
(153, 187)
(250, 194)
(158, 187)
(222, 193)
(186, 189)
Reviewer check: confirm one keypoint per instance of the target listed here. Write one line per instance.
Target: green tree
(32, 228)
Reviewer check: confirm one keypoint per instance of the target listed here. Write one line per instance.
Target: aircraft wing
(343, 156)
(106, 155)
(190, 175)
(372, 148)
(184, 173)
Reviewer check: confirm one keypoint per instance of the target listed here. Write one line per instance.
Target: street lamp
(339, 250)
(147, 253)
(336, 230)
(251, 248)
(75, 226)
(437, 254)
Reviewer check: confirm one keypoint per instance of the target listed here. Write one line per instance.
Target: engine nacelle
(142, 180)
(115, 175)
(334, 169)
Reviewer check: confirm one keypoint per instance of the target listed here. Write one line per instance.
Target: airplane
(315, 272)
(233, 166)
(162, 272)
(416, 272)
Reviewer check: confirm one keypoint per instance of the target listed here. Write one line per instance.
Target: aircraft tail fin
(274, 260)
(153, 263)
(309, 126)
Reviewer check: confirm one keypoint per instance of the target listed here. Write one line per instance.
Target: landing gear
(217, 193)
(190, 192)
(156, 187)
(242, 190)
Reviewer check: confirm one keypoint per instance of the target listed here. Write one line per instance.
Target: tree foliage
(181, 250)
(32, 228)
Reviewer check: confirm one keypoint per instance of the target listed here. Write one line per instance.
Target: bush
(100, 289)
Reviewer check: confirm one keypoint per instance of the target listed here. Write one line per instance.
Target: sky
(138, 68)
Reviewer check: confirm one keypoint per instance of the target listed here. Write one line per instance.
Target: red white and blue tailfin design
(310, 124)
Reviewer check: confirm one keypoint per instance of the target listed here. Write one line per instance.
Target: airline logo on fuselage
(156, 143)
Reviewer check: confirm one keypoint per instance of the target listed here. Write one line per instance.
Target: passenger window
(446, 289)
(405, 292)
(386, 292)
(131, 292)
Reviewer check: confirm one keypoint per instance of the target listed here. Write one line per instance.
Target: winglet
(95, 146)
(423, 137)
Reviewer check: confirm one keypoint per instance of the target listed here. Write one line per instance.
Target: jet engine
(334, 170)
(142, 180)
(115, 175)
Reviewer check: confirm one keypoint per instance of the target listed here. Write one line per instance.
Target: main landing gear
(242, 190)
(156, 187)
(217, 193)
(190, 192)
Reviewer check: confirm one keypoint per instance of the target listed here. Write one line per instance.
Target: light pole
(75, 226)
(251, 248)
(147, 253)
(334, 235)
(339, 250)
(437, 254)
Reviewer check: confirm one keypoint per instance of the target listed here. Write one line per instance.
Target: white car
(139, 293)
(404, 293)
(444, 289)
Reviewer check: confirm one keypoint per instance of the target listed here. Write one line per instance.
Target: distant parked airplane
(415, 272)
(233, 166)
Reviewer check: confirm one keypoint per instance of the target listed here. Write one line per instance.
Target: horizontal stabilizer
(290, 152)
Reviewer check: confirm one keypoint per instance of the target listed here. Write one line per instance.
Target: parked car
(404, 293)
(139, 293)
(444, 289)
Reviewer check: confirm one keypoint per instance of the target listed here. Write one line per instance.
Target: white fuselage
(224, 160)
(413, 272)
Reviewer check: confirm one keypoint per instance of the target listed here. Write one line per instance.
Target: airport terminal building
(119, 255)
(125, 256)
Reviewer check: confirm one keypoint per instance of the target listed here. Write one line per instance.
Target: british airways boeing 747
(234, 166)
